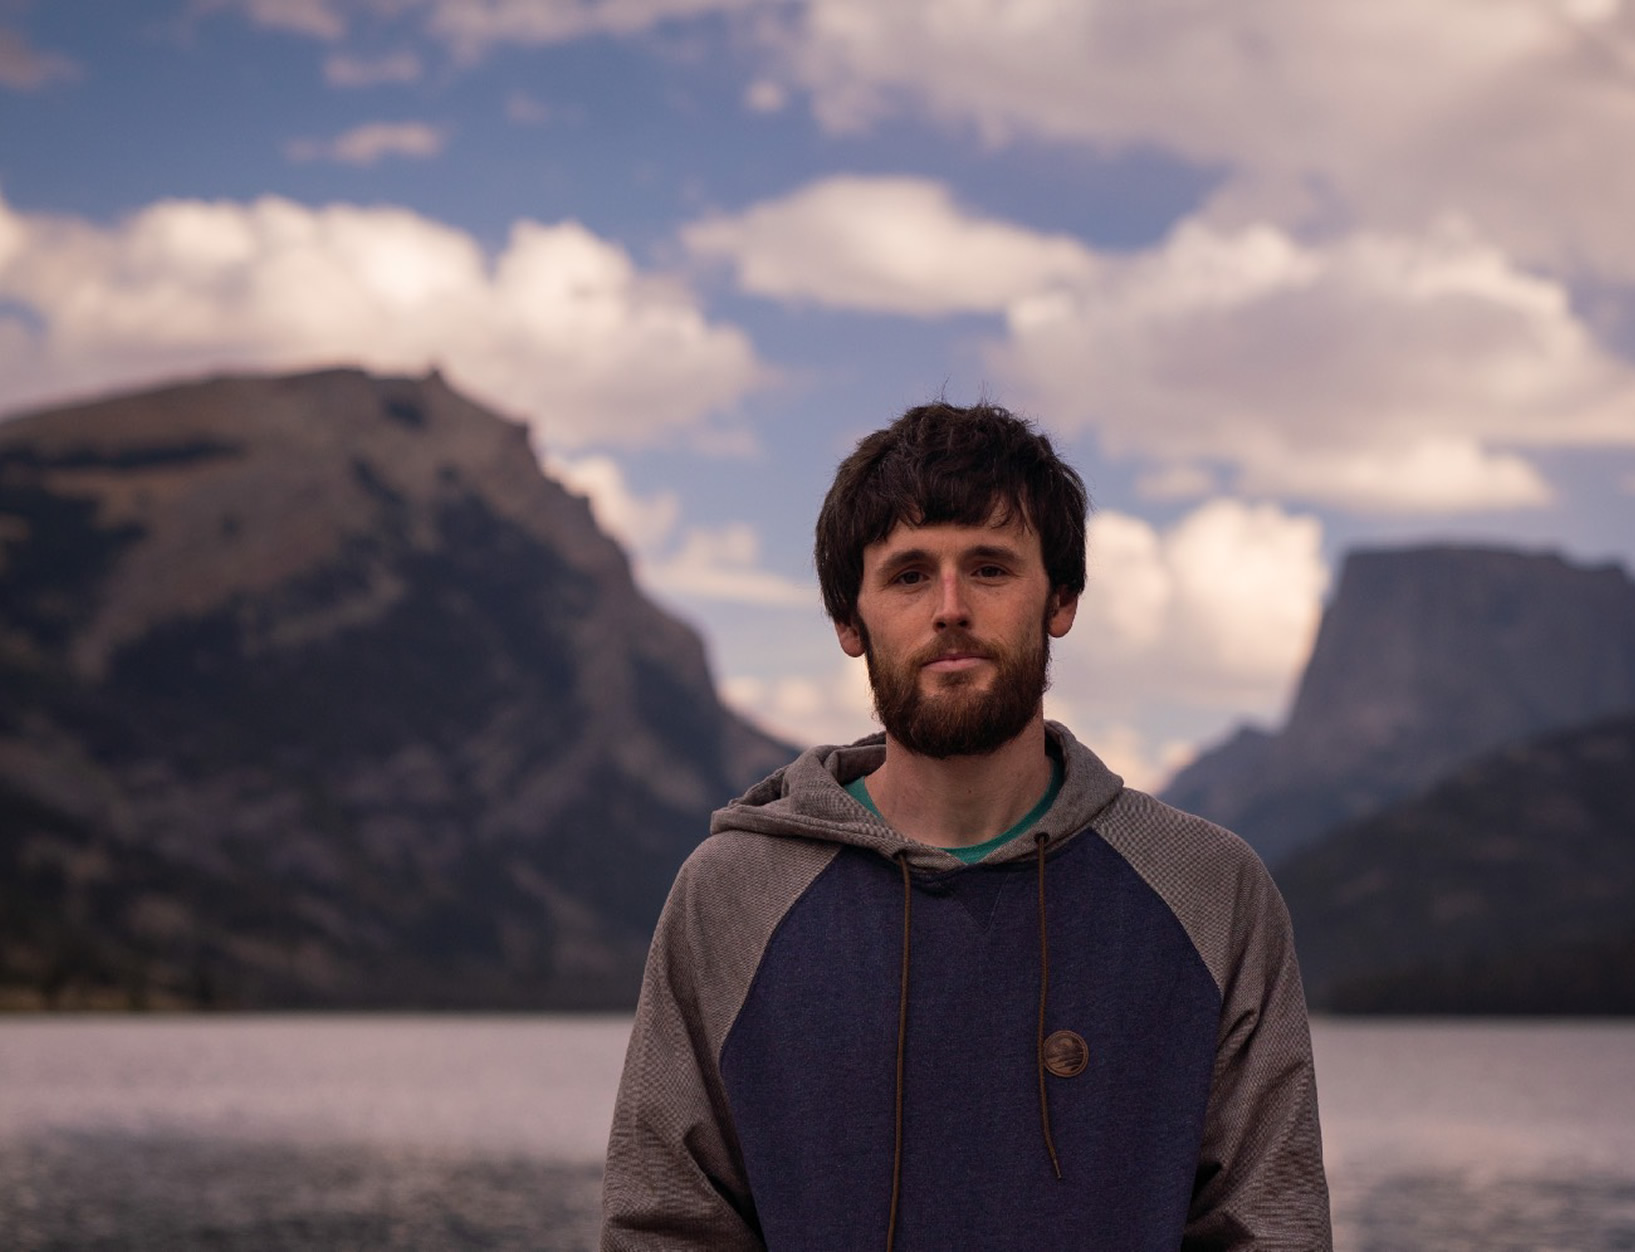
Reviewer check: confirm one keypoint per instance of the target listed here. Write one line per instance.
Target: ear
(851, 639)
(1064, 606)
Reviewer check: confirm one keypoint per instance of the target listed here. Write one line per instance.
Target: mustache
(955, 642)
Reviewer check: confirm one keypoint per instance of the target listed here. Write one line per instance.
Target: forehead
(951, 538)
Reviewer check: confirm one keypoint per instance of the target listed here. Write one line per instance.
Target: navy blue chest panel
(810, 1063)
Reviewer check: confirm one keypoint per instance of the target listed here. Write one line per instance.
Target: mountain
(1425, 658)
(1509, 887)
(315, 691)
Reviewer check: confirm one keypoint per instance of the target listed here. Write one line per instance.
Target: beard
(956, 717)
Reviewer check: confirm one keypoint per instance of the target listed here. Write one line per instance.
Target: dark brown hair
(939, 464)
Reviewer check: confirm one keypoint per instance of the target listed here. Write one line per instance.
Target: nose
(952, 609)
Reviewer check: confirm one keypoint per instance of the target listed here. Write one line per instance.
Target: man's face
(955, 623)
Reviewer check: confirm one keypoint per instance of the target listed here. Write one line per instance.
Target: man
(956, 986)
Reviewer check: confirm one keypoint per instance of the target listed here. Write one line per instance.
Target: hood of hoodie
(807, 799)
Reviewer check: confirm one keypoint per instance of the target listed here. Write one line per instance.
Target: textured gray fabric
(1261, 1172)
(673, 1164)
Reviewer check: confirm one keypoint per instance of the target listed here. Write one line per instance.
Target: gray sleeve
(674, 1177)
(1260, 1172)
(1260, 1181)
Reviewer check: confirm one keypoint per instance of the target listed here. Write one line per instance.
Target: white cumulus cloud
(1218, 610)
(889, 245)
(724, 563)
(1372, 371)
(1377, 372)
(1186, 629)
(560, 327)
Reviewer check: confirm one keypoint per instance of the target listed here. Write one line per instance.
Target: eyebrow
(981, 552)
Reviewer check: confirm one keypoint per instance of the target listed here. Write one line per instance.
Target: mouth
(955, 662)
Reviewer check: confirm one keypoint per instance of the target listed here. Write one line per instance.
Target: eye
(909, 577)
(991, 571)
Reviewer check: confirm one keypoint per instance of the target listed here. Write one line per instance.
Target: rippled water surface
(1487, 1136)
(466, 1132)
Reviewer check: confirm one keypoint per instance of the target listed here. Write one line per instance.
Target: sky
(1282, 278)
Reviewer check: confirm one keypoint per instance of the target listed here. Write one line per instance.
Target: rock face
(314, 691)
(1425, 658)
(1509, 887)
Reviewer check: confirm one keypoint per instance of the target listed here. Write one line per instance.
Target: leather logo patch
(1066, 1053)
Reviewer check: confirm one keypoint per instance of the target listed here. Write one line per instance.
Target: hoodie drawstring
(902, 1037)
(1040, 840)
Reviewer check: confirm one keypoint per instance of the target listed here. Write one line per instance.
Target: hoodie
(1095, 1037)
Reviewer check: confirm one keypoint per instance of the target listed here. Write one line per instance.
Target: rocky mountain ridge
(1507, 887)
(314, 690)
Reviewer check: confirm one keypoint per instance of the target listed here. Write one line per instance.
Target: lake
(290, 1132)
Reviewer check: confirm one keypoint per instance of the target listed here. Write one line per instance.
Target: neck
(961, 800)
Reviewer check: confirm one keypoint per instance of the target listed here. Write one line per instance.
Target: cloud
(1378, 372)
(765, 96)
(1140, 759)
(886, 245)
(341, 70)
(1428, 475)
(471, 27)
(319, 19)
(720, 563)
(560, 326)
(723, 563)
(639, 523)
(367, 144)
(832, 705)
(1516, 113)
(1177, 480)
(24, 67)
(1186, 629)
(1217, 611)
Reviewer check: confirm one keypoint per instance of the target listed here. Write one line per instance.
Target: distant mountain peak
(1426, 656)
(240, 484)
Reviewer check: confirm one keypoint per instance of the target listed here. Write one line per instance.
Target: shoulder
(726, 904)
(1174, 843)
(1211, 880)
(732, 868)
